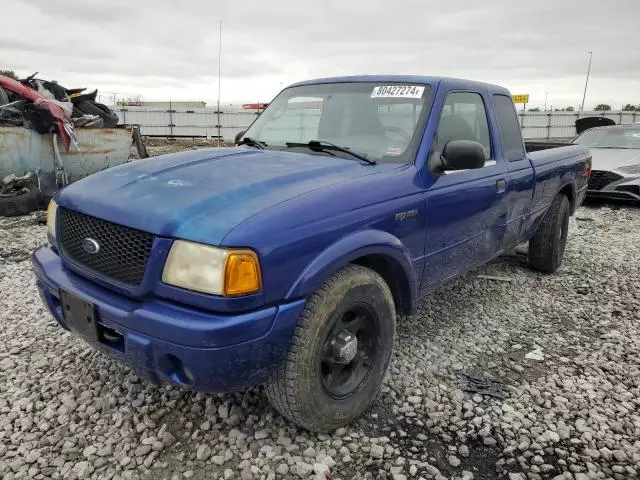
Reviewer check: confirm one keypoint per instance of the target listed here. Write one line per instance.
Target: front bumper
(164, 341)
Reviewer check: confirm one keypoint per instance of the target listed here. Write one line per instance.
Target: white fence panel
(558, 133)
(534, 119)
(207, 122)
(564, 119)
(535, 132)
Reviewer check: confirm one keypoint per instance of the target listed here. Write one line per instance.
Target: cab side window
(464, 117)
(511, 134)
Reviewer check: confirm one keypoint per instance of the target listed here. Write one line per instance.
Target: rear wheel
(546, 247)
(339, 352)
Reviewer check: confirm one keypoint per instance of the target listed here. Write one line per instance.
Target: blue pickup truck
(285, 261)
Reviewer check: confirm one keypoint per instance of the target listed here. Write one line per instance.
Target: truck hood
(613, 158)
(201, 195)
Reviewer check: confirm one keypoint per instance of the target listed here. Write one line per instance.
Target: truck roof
(434, 81)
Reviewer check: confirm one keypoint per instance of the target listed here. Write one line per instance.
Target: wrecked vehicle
(616, 161)
(50, 136)
(284, 261)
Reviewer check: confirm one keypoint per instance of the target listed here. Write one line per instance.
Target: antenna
(219, 77)
(584, 95)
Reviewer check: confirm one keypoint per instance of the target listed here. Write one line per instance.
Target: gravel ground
(553, 361)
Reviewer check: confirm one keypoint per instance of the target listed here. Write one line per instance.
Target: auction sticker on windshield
(397, 91)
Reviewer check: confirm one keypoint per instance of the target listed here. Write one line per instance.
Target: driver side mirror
(462, 155)
(239, 136)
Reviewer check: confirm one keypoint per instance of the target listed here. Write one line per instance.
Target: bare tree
(9, 73)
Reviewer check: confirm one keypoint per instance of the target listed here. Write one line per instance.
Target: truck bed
(537, 146)
(556, 153)
(556, 164)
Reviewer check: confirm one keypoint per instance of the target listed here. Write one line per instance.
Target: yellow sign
(522, 98)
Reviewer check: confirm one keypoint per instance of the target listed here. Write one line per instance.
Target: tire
(89, 107)
(305, 387)
(546, 247)
(21, 204)
(85, 96)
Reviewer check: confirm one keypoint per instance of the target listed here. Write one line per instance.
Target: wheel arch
(380, 251)
(569, 190)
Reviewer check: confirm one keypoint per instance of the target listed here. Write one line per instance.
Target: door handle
(501, 185)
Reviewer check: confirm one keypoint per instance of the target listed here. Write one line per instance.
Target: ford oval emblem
(89, 245)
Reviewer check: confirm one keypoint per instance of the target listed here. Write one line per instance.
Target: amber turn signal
(242, 273)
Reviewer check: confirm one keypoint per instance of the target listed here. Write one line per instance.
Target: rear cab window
(512, 145)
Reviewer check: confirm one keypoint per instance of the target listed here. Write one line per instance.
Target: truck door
(466, 209)
(521, 185)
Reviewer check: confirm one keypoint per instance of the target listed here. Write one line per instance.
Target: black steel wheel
(339, 352)
(348, 351)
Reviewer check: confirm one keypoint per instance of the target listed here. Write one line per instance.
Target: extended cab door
(466, 209)
(521, 185)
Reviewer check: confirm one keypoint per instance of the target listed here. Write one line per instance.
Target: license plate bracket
(79, 315)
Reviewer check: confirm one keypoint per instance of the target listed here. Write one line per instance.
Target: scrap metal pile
(54, 112)
(47, 107)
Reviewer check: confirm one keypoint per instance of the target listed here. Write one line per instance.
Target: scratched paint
(23, 150)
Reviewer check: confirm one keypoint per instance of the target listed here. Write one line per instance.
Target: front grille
(123, 252)
(601, 178)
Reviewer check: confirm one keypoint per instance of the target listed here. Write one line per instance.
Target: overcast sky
(163, 49)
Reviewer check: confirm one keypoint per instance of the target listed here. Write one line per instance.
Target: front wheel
(339, 352)
(546, 247)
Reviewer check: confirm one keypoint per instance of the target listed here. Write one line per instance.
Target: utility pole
(219, 77)
(586, 81)
(546, 95)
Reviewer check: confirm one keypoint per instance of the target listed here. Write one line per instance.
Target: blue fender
(355, 246)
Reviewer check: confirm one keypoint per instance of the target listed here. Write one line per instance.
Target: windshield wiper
(252, 142)
(323, 146)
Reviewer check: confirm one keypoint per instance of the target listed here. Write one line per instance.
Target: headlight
(52, 209)
(631, 169)
(212, 270)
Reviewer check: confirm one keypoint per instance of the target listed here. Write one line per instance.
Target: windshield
(610, 138)
(381, 121)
